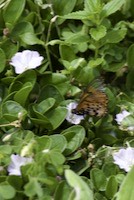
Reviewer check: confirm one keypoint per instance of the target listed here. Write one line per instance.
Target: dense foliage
(79, 41)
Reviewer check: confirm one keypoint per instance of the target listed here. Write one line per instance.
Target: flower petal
(73, 118)
(25, 60)
(124, 158)
(119, 117)
(16, 162)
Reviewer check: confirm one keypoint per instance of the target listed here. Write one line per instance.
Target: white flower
(16, 162)
(25, 60)
(73, 118)
(119, 117)
(124, 158)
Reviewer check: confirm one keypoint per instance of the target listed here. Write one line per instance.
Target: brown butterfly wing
(92, 102)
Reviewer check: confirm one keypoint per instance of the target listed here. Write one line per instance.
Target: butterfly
(93, 100)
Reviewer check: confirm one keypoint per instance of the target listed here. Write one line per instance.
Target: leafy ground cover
(50, 51)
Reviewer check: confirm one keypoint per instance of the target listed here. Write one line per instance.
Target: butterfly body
(93, 102)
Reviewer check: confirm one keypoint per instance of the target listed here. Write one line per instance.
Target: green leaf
(98, 32)
(13, 11)
(72, 66)
(109, 139)
(9, 48)
(30, 39)
(56, 157)
(63, 7)
(44, 106)
(5, 149)
(55, 79)
(96, 62)
(130, 80)
(131, 7)
(15, 181)
(120, 178)
(63, 191)
(44, 142)
(77, 38)
(11, 110)
(115, 36)
(57, 116)
(80, 15)
(22, 95)
(25, 32)
(59, 142)
(111, 98)
(99, 196)
(2, 60)
(7, 191)
(112, 6)
(130, 56)
(111, 188)
(81, 189)
(92, 6)
(126, 191)
(22, 28)
(74, 136)
(64, 49)
(58, 80)
(109, 168)
(7, 80)
(114, 67)
(33, 187)
(50, 91)
(87, 74)
(99, 179)
(42, 122)
(27, 76)
(54, 42)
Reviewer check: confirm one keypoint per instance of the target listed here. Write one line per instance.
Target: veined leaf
(93, 6)
(80, 15)
(127, 188)
(130, 56)
(13, 11)
(98, 33)
(82, 191)
(112, 6)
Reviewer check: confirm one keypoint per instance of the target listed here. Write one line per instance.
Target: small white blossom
(73, 118)
(7, 137)
(119, 117)
(16, 162)
(124, 158)
(45, 151)
(25, 60)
